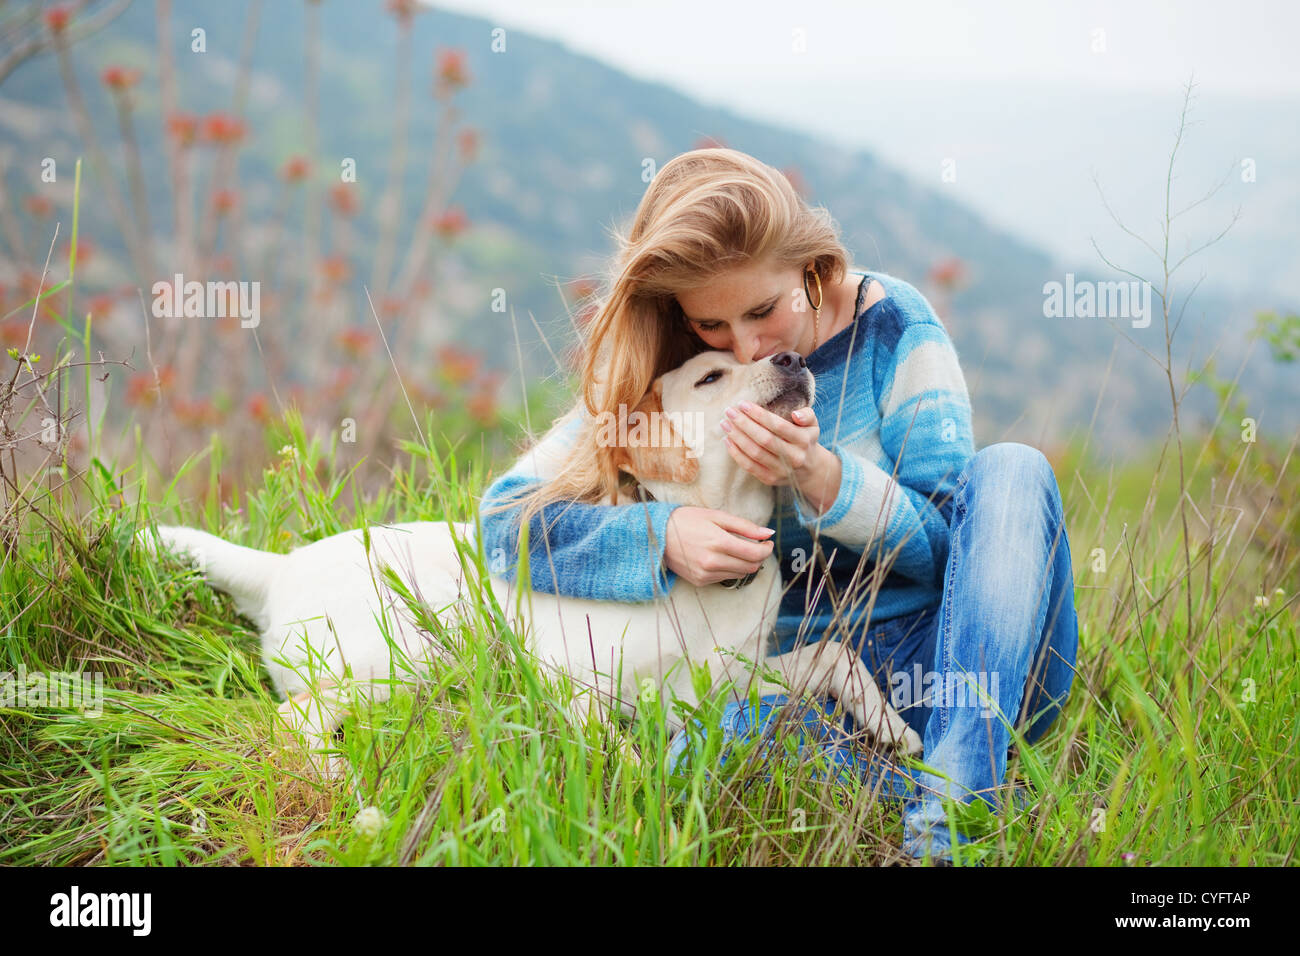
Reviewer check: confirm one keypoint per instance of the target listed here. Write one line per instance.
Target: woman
(947, 569)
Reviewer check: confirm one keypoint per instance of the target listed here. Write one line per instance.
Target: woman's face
(750, 311)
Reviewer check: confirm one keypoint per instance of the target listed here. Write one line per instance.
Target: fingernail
(731, 411)
(726, 425)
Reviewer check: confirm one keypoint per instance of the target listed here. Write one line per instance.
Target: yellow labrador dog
(318, 608)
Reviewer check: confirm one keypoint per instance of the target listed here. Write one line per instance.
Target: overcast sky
(723, 51)
(1029, 99)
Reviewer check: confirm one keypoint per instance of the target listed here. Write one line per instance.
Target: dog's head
(674, 447)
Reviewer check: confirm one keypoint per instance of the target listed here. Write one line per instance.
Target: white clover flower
(1261, 600)
(369, 822)
(288, 451)
(1279, 592)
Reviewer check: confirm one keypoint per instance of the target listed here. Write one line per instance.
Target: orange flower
(100, 306)
(13, 333)
(343, 196)
(224, 200)
(85, 250)
(259, 408)
(183, 127)
(30, 285)
(57, 17)
(295, 169)
(451, 222)
(482, 406)
(143, 388)
(199, 412)
(458, 365)
(336, 268)
(222, 129)
(452, 74)
(948, 273)
(404, 10)
(355, 341)
(391, 305)
(39, 206)
(120, 78)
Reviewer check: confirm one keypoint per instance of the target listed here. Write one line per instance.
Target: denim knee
(1010, 478)
(1023, 463)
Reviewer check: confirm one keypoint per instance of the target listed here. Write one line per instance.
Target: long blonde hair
(705, 212)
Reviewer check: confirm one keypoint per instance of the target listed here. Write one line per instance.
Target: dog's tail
(243, 573)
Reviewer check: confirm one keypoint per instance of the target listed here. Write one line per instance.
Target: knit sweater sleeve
(596, 551)
(899, 508)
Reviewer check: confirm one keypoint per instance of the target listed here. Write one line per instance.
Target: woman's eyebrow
(757, 308)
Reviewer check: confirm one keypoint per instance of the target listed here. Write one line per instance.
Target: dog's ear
(661, 456)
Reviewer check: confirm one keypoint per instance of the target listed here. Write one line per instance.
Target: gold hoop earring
(817, 309)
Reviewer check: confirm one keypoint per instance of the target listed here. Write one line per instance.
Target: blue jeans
(997, 651)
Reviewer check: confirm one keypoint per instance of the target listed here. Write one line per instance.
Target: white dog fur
(318, 607)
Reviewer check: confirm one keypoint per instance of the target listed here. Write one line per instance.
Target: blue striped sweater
(902, 434)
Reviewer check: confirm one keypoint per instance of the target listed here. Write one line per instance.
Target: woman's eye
(713, 326)
(710, 378)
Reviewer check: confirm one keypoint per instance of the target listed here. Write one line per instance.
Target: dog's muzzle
(641, 493)
(795, 388)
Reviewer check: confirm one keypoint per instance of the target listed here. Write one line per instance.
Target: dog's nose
(790, 361)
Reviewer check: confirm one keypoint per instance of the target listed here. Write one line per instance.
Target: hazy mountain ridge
(564, 139)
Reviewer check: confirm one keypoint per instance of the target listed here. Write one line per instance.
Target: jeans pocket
(890, 643)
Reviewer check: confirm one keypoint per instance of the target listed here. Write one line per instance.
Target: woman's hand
(706, 546)
(778, 452)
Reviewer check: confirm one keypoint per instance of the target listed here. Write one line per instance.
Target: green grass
(1178, 745)
(478, 764)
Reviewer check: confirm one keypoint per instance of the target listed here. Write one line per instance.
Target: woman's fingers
(696, 546)
(738, 525)
(746, 544)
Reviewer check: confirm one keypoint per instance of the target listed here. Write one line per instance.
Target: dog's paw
(890, 729)
(185, 543)
(910, 743)
(899, 735)
(306, 725)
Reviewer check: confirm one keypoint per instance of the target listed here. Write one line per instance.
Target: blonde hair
(705, 212)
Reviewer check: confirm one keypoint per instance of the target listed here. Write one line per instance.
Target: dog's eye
(710, 378)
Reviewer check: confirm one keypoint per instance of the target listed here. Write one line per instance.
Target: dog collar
(641, 493)
(739, 582)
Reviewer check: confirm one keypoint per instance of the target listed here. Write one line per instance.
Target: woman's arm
(925, 427)
(595, 551)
